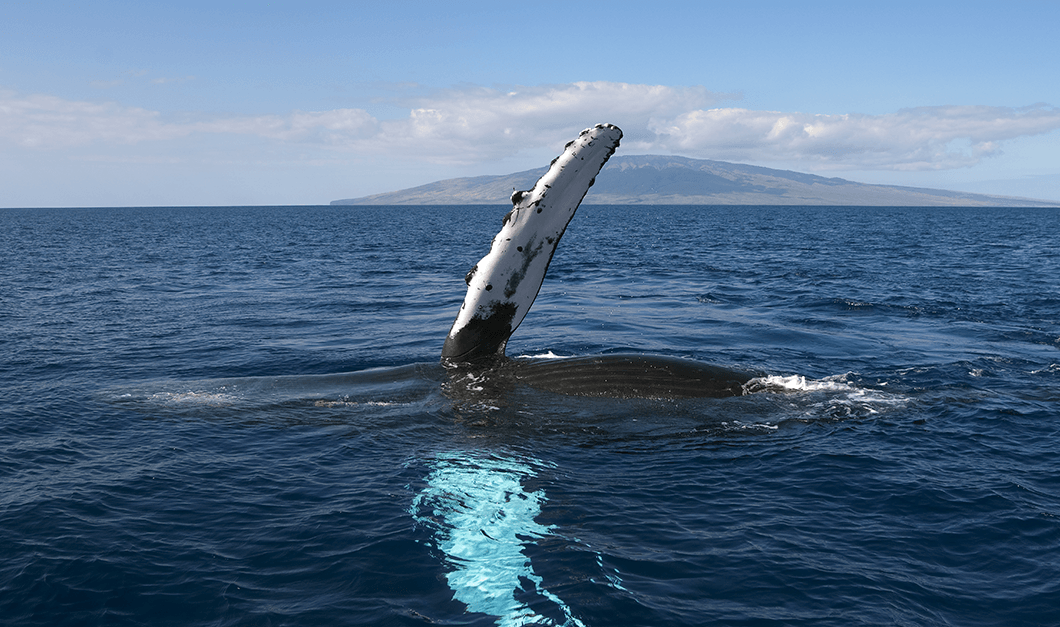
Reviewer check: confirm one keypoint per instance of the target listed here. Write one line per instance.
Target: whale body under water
(503, 285)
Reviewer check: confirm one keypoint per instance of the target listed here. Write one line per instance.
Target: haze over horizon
(237, 103)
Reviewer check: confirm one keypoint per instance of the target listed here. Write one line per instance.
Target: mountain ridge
(675, 180)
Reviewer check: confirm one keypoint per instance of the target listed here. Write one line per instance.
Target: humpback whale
(503, 285)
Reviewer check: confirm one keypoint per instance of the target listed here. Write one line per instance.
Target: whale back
(631, 376)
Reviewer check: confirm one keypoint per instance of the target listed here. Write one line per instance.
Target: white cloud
(335, 128)
(47, 122)
(50, 123)
(922, 138)
(479, 125)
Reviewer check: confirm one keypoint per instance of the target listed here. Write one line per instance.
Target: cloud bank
(921, 138)
(476, 125)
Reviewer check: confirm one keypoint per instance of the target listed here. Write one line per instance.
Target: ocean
(237, 416)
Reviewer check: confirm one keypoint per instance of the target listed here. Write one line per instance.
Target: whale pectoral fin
(521, 252)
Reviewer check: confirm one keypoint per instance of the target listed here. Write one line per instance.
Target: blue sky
(212, 103)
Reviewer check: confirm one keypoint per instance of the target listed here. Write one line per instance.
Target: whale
(503, 285)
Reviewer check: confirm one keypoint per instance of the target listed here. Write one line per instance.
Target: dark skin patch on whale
(484, 336)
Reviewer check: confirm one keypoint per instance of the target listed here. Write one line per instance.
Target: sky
(142, 103)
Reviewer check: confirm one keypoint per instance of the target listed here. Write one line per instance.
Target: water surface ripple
(236, 416)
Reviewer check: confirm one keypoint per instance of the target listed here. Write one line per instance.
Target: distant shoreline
(668, 180)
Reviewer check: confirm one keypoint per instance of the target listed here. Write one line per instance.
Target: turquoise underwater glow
(481, 518)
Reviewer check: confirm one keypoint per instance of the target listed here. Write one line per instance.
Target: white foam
(548, 355)
(798, 383)
(833, 396)
(194, 398)
(348, 403)
(737, 424)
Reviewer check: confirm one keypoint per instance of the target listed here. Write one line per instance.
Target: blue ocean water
(236, 416)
